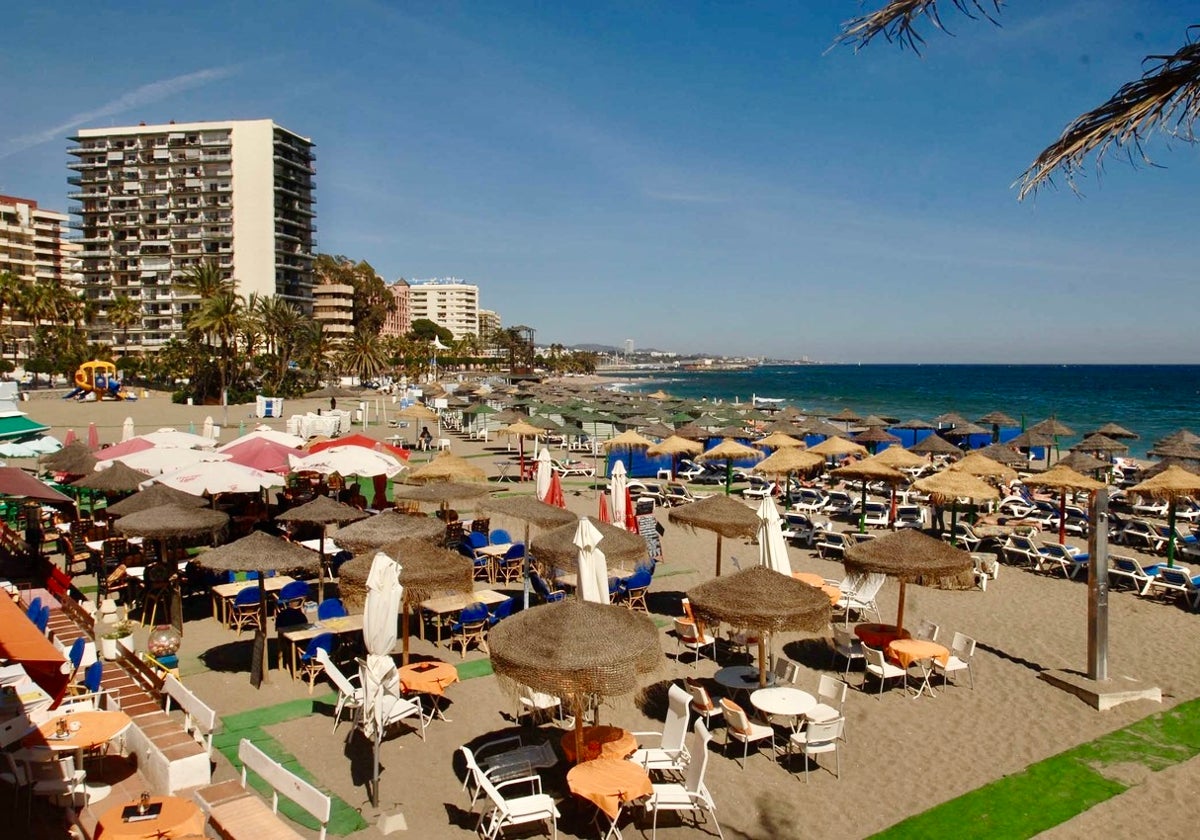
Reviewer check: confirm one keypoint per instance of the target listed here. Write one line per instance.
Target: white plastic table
(783, 701)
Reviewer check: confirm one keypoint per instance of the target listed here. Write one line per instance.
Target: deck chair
(502, 759)
(350, 696)
(1054, 557)
(671, 755)
(692, 795)
(532, 807)
(1131, 569)
(1178, 579)
(831, 544)
(1020, 551)
(1138, 533)
(964, 536)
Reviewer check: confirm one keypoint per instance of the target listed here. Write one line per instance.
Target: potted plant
(120, 633)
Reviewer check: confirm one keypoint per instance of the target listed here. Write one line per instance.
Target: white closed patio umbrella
(616, 492)
(207, 429)
(592, 572)
(384, 593)
(544, 470)
(772, 548)
(127, 429)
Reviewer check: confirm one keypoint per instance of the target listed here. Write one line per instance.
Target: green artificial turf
(343, 819)
(474, 668)
(1060, 787)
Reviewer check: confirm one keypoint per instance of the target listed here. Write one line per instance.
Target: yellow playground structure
(99, 378)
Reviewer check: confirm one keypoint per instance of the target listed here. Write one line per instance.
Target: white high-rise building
(448, 302)
(157, 200)
(34, 248)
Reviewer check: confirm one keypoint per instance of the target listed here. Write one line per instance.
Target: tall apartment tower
(448, 302)
(34, 248)
(157, 200)
(399, 320)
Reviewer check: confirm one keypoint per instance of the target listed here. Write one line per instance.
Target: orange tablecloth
(427, 677)
(601, 742)
(95, 729)
(608, 783)
(908, 651)
(179, 818)
(879, 635)
(813, 579)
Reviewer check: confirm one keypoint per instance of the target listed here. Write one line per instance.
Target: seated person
(425, 439)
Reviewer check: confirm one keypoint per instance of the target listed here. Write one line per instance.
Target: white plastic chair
(927, 630)
(521, 810)
(847, 645)
(962, 649)
(819, 738)
(55, 776)
(691, 796)
(671, 754)
(738, 726)
(688, 635)
(880, 668)
(702, 703)
(518, 760)
(831, 702)
(350, 696)
(538, 704)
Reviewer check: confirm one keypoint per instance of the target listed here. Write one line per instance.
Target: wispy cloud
(138, 97)
(685, 197)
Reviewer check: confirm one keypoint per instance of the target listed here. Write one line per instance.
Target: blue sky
(695, 176)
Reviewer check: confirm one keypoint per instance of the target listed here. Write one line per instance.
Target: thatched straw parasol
(262, 553)
(156, 495)
(446, 467)
(426, 570)
(1062, 479)
(996, 419)
(1082, 462)
(911, 557)
(442, 492)
(1051, 426)
(866, 471)
(521, 430)
(386, 528)
(916, 424)
(935, 445)
(948, 487)
(692, 432)
(845, 416)
(729, 450)
(1004, 454)
(1172, 484)
(73, 459)
(527, 510)
(950, 418)
(576, 649)
(1097, 442)
(721, 514)
(873, 436)
(1114, 430)
(838, 447)
(983, 467)
(322, 511)
(779, 440)
(117, 478)
(627, 440)
(675, 446)
(1176, 449)
(787, 460)
(762, 601)
(172, 521)
(964, 430)
(897, 458)
(556, 548)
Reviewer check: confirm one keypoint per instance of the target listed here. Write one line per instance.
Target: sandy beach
(902, 755)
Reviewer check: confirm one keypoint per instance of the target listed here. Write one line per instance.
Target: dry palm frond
(896, 21)
(1167, 97)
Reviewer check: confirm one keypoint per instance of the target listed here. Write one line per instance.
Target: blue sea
(1152, 400)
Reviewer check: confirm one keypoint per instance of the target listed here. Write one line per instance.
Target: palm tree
(219, 316)
(362, 353)
(1165, 98)
(10, 297)
(123, 313)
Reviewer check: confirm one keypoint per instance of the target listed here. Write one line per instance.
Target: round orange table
(601, 742)
(178, 818)
(95, 729)
(427, 677)
(609, 783)
(879, 635)
(908, 651)
(813, 579)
